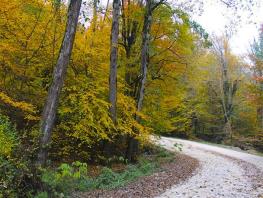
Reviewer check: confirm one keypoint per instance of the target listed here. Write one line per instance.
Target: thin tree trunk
(50, 108)
(261, 94)
(95, 15)
(129, 34)
(130, 149)
(144, 53)
(228, 88)
(130, 28)
(260, 109)
(106, 10)
(260, 117)
(114, 60)
(133, 144)
(56, 8)
(228, 129)
(151, 5)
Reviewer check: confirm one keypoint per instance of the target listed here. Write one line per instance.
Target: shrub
(8, 138)
(17, 178)
(66, 179)
(108, 179)
(14, 172)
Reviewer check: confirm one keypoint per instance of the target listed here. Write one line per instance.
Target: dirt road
(223, 172)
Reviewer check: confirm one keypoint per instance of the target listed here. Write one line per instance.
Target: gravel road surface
(222, 173)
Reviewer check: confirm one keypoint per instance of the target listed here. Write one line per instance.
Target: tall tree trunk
(132, 148)
(133, 144)
(114, 60)
(50, 108)
(260, 117)
(129, 32)
(145, 53)
(129, 35)
(229, 89)
(57, 18)
(260, 108)
(228, 129)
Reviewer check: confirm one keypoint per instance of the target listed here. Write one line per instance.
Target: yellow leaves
(126, 118)
(20, 105)
(7, 137)
(6, 144)
(89, 120)
(29, 109)
(32, 117)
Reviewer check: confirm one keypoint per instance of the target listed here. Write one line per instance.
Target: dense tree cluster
(78, 88)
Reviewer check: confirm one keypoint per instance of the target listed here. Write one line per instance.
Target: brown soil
(171, 173)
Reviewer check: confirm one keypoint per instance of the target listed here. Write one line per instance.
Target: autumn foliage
(183, 90)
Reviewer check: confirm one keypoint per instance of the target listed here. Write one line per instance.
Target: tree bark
(129, 32)
(50, 108)
(114, 61)
(228, 89)
(95, 15)
(151, 5)
(133, 144)
(144, 53)
(260, 108)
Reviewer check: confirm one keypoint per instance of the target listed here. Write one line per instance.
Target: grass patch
(108, 179)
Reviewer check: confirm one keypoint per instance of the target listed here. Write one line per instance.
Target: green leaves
(8, 137)
(109, 179)
(67, 178)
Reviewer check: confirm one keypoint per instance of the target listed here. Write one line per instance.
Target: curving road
(222, 172)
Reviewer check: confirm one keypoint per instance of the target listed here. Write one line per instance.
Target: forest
(84, 83)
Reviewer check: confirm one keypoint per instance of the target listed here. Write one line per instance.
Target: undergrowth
(67, 179)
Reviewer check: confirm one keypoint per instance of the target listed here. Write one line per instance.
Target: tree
(114, 60)
(130, 27)
(257, 69)
(95, 15)
(50, 108)
(228, 85)
(150, 6)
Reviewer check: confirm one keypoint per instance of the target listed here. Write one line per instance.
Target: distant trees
(256, 57)
(170, 79)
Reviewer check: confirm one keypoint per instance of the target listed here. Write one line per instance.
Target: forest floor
(222, 172)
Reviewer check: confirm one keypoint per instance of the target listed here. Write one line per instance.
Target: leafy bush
(7, 174)
(17, 178)
(69, 178)
(14, 172)
(108, 179)
(8, 138)
(42, 195)
(66, 179)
